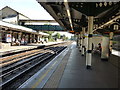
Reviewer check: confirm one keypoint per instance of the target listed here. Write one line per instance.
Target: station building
(12, 16)
(13, 34)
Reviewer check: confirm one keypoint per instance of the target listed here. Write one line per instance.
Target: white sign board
(8, 38)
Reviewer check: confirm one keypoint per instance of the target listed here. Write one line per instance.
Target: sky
(30, 8)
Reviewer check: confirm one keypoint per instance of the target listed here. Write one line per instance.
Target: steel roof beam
(108, 23)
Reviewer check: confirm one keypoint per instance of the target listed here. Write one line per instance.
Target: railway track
(20, 56)
(21, 65)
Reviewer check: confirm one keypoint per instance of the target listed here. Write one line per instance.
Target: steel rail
(27, 60)
(17, 66)
(3, 85)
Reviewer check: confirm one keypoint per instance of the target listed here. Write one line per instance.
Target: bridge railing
(45, 27)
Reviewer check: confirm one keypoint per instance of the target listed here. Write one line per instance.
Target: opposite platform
(13, 49)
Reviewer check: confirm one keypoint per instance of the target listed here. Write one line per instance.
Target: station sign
(72, 31)
(8, 38)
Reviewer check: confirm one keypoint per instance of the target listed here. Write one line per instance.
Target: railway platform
(13, 49)
(68, 70)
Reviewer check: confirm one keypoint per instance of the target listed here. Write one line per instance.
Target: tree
(64, 37)
(72, 38)
(49, 32)
(57, 35)
(50, 38)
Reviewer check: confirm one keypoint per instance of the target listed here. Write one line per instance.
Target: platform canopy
(20, 28)
(73, 16)
(17, 27)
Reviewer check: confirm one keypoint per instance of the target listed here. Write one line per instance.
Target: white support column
(83, 42)
(34, 38)
(11, 37)
(38, 40)
(80, 42)
(111, 38)
(26, 38)
(89, 42)
(105, 48)
(77, 39)
(20, 36)
(30, 38)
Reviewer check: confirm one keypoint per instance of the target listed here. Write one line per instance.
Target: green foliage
(49, 32)
(64, 37)
(57, 35)
(72, 38)
(50, 38)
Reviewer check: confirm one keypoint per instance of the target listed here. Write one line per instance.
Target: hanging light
(116, 27)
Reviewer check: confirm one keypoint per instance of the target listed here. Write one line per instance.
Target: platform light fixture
(115, 27)
(68, 12)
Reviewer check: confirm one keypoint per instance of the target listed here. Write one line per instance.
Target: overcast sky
(30, 8)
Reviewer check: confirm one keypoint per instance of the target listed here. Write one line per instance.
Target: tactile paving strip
(54, 80)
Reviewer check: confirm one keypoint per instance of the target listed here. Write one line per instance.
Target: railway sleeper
(21, 59)
(21, 67)
(24, 60)
(11, 80)
(28, 69)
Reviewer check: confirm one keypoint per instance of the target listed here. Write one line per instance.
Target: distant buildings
(12, 16)
(12, 33)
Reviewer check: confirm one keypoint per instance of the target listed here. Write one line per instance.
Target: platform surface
(71, 72)
(75, 75)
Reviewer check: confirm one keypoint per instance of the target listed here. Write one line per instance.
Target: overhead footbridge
(45, 27)
(29, 24)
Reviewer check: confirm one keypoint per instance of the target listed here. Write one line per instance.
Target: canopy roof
(74, 15)
(5, 24)
(20, 28)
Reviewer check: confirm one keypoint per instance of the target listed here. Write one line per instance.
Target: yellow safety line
(41, 78)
